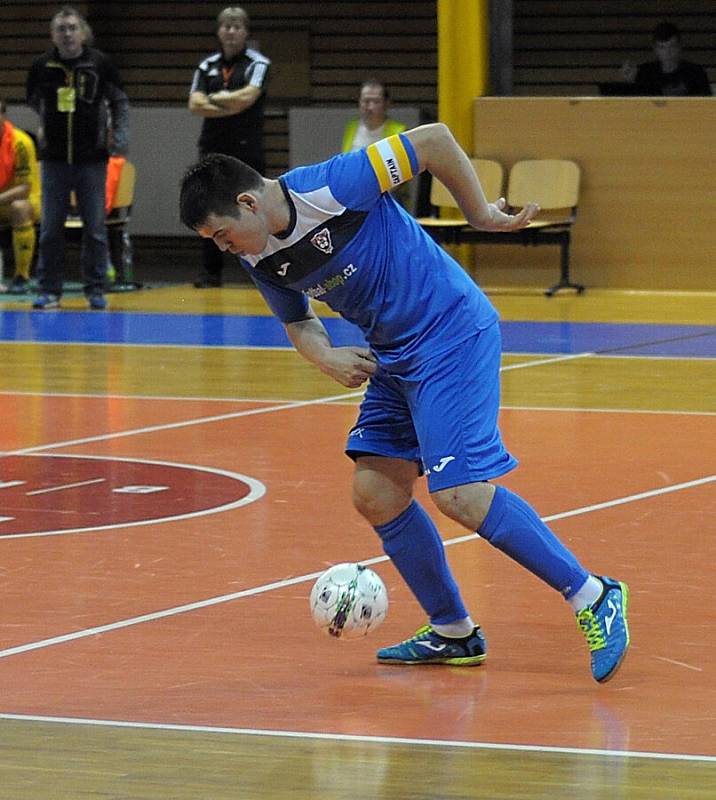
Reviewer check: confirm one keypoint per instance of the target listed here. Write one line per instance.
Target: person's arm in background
(19, 192)
(440, 154)
(202, 106)
(33, 98)
(21, 189)
(237, 100)
(199, 101)
(119, 108)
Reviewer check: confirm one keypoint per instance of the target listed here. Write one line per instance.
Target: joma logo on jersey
(322, 241)
(393, 171)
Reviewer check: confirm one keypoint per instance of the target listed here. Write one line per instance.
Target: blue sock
(514, 527)
(414, 545)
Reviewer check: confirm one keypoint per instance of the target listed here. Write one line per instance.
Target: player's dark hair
(665, 31)
(211, 186)
(3, 106)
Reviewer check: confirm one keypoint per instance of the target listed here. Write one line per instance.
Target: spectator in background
(19, 196)
(373, 124)
(84, 114)
(229, 91)
(669, 75)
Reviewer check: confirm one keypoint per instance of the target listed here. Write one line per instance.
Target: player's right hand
(350, 366)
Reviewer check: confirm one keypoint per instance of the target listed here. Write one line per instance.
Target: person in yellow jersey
(19, 196)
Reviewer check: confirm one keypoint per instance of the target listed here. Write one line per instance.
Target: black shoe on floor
(207, 283)
(19, 285)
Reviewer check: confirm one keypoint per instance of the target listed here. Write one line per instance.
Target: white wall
(316, 133)
(163, 144)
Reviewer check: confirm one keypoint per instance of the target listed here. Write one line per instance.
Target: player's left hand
(499, 220)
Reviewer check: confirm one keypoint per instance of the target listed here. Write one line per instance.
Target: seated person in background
(374, 124)
(669, 75)
(19, 196)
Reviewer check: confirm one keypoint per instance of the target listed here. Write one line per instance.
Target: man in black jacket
(670, 75)
(83, 116)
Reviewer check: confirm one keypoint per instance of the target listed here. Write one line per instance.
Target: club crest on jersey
(322, 241)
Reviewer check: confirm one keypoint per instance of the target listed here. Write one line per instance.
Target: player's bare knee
(20, 213)
(467, 504)
(377, 506)
(382, 488)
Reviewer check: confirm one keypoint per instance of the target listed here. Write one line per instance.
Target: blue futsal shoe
(429, 647)
(605, 628)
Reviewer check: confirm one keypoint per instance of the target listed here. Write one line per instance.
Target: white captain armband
(390, 162)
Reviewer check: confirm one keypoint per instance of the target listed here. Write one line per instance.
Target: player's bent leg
(510, 524)
(383, 494)
(383, 487)
(513, 526)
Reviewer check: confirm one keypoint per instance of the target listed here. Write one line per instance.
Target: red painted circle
(49, 493)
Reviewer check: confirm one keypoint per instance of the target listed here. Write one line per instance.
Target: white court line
(103, 437)
(349, 396)
(288, 348)
(350, 737)
(232, 415)
(281, 584)
(256, 492)
(679, 663)
(66, 486)
(541, 361)
(200, 421)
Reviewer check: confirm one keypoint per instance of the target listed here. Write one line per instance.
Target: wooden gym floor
(173, 481)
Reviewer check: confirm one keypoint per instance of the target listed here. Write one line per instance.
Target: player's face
(241, 235)
(68, 36)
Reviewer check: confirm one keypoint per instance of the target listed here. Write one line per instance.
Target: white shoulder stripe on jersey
(312, 209)
(258, 75)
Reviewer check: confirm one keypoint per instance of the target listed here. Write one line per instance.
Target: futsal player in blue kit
(332, 232)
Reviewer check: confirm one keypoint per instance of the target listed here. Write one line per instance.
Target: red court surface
(203, 617)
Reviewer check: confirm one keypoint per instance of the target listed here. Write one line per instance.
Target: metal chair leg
(564, 281)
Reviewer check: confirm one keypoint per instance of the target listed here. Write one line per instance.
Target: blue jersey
(349, 244)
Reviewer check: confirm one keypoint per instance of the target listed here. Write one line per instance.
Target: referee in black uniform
(228, 91)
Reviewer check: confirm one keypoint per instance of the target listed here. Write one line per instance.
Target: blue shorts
(444, 417)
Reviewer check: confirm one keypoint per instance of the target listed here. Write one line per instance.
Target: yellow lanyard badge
(66, 99)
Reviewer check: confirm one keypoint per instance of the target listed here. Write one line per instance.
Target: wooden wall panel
(646, 212)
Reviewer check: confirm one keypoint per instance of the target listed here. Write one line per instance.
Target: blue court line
(214, 330)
